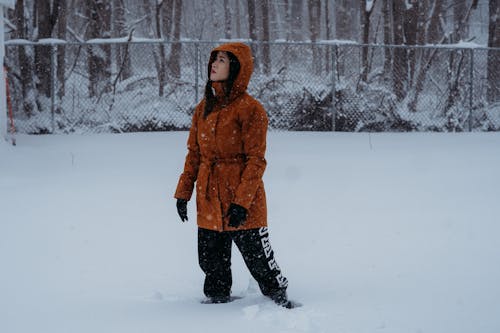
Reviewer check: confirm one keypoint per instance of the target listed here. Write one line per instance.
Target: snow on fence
(151, 85)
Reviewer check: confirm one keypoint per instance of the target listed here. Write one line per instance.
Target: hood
(244, 55)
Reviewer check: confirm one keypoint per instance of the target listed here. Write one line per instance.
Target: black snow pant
(214, 254)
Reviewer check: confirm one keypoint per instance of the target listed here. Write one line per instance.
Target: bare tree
(252, 24)
(328, 28)
(46, 17)
(153, 29)
(435, 30)
(252, 29)
(288, 20)
(422, 23)
(400, 62)
(459, 12)
(366, 12)
(343, 19)
(266, 55)
(297, 10)
(493, 93)
(61, 50)
(456, 59)
(227, 20)
(238, 19)
(99, 56)
(344, 13)
(165, 18)
(314, 8)
(25, 67)
(387, 15)
(147, 10)
(176, 49)
(411, 17)
(435, 35)
(120, 30)
(164, 13)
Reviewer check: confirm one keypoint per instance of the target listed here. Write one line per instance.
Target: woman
(226, 147)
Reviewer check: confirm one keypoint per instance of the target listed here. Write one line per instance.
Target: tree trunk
(343, 31)
(297, 20)
(410, 32)
(176, 50)
(227, 19)
(456, 62)
(150, 30)
(154, 31)
(328, 54)
(386, 12)
(25, 68)
(343, 19)
(266, 55)
(286, 27)
(238, 19)
(104, 10)
(493, 93)
(166, 19)
(366, 13)
(161, 59)
(43, 52)
(288, 21)
(419, 85)
(120, 30)
(252, 31)
(314, 7)
(435, 31)
(61, 50)
(99, 58)
(252, 24)
(422, 22)
(400, 63)
(459, 26)
(434, 36)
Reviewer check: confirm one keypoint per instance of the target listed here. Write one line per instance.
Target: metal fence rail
(115, 87)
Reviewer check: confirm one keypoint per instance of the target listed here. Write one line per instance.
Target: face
(220, 67)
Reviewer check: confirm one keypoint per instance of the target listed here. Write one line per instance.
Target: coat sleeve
(188, 177)
(254, 131)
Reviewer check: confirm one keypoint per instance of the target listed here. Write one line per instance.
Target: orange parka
(226, 154)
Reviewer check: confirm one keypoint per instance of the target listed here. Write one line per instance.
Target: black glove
(237, 215)
(182, 209)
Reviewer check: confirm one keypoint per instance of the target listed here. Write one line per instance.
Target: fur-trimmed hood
(244, 55)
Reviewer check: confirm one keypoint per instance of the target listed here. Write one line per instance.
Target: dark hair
(234, 69)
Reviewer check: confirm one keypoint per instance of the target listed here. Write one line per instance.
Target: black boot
(281, 299)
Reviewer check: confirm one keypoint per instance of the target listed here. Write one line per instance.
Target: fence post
(471, 87)
(53, 49)
(334, 86)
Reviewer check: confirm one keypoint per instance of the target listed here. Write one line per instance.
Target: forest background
(100, 48)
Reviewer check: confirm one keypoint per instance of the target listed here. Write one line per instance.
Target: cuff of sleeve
(244, 204)
(186, 195)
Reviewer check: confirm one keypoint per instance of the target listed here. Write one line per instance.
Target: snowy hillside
(376, 233)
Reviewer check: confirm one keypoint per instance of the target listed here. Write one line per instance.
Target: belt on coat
(212, 162)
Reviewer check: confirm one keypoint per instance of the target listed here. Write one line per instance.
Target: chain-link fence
(154, 86)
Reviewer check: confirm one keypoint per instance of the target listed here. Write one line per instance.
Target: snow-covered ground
(375, 232)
